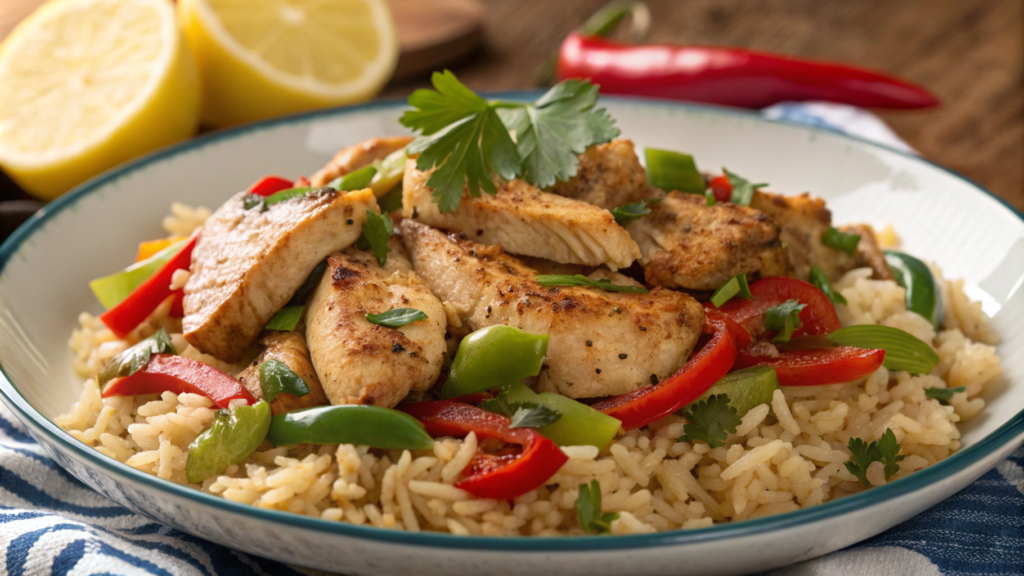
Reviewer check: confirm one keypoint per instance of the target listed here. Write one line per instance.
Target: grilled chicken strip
(601, 343)
(609, 176)
(363, 363)
(247, 264)
(290, 349)
(526, 220)
(355, 157)
(687, 244)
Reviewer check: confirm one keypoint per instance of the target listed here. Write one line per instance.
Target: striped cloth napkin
(50, 523)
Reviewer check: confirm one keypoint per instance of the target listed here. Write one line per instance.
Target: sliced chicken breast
(290, 349)
(247, 264)
(527, 221)
(609, 176)
(601, 343)
(355, 157)
(685, 243)
(363, 363)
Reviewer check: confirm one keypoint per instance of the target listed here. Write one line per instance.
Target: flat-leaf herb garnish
(885, 450)
(588, 510)
(742, 189)
(277, 378)
(377, 230)
(286, 319)
(549, 280)
(628, 212)
(467, 138)
(785, 318)
(135, 358)
(523, 414)
(944, 395)
(842, 241)
(397, 317)
(710, 421)
(820, 281)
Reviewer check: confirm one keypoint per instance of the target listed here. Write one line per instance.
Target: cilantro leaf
(820, 281)
(286, 319)
(842, 241)
(530, 415)
(885, 450)
(742, 189)
(549, 280)
(135, 358)
(377, 230)
(397, 317)
(943, 395)
(628, 212)
(552, 131)
(498, 405)
(710, 421)
(785, 318)
(588, 510)
(276, 377)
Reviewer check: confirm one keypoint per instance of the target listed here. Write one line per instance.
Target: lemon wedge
(88, 84)
(264, 58)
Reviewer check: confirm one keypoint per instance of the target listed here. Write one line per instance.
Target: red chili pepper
(651, 403)
(729, 76)
(503, 476)
(131, 311)
(721, 188)
(166, 372)
(817, 366)
(269, 185)
(818, 317)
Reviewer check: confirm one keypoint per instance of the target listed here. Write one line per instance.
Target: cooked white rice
(772, 464)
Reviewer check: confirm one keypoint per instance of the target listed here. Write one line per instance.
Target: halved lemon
(88, 84)
(263, 58)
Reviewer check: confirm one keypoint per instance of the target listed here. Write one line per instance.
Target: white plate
(940, 216)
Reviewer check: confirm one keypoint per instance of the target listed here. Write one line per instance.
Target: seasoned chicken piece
(355, 157)
(687, 244)
(526, 220)
(247, 264)
(609, 176)
(363, 363)
(290, 349)
(868, 254)
(601, 343)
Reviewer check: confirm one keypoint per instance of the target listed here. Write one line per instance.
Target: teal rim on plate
(919, 480)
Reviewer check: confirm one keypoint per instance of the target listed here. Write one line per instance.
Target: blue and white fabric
(50, 523)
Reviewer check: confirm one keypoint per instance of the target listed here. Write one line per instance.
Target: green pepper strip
(354, 180)
(580, 425)
(350, 424)
(389, 174)
(235, 433)
(747, 389)
(923, 296)
(494, 356)
(111, 290)
(670, 171)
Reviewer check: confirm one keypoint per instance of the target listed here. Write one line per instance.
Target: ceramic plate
(939, 215)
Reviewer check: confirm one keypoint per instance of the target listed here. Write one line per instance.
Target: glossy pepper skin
(494, 356)
(350, 424)
(138, 305)
(818, 317)
(501, 477)
(235, 433)
(709, 365)
(166, 372)
(729, 76)
(923, 296)
(818, 366)
(579, 425)
(269, 185)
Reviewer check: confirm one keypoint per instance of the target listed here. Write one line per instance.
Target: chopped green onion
(111, 290)
(903, 351)
(670, 171)
(922, 292)
(355, 180)
(735, 286)
(549, 280)
(286, 319)
(821, 283)
(710, 195)
(391, 201)
(397, 317)
(842, 241)
(276, 377)
(785, 318)
(943, 395)
(628, 212)
(742, 189)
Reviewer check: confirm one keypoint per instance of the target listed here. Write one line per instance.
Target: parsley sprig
(710, 421)
(588, 510)
(885, 450)
(467, 138)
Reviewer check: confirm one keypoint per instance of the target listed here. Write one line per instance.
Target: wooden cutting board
(431, 33)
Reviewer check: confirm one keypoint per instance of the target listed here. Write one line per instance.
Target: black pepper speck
(396, 348)
(654, 378)
(598, 370)
(643, 328)
(589, 343)
(617, 310)
(350, 221)
(623, 356)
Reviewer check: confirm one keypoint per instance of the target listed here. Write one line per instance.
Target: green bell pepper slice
(389, 174)
(746, 389)
(923, 295)
(494, 356)
(355, 180)
(350, 424)
(111, 290)
(580, 425)
(235, 433)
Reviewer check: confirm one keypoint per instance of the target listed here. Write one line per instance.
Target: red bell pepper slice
(817, 318)
(269, 185)
(818, 366)
(138, 305)
(167, 372)
(503, 476)
(708, 366)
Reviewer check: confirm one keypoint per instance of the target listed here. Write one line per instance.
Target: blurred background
(968, 53)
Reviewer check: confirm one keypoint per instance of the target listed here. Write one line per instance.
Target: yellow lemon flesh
(264, 58)
(88, 84)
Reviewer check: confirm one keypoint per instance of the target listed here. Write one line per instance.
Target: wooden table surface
(969, 52)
